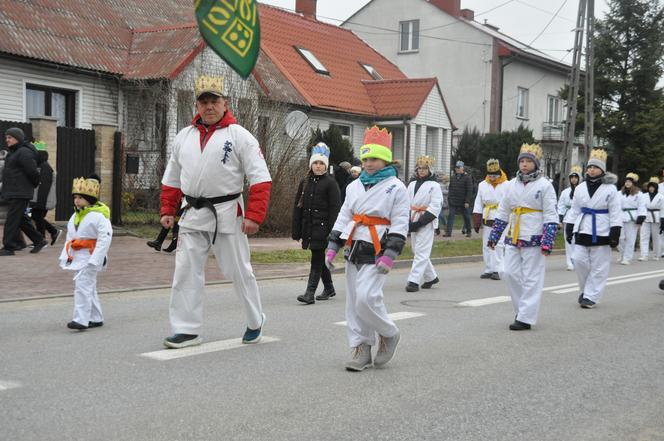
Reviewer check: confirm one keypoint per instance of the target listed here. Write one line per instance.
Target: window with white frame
(522, 103)
(409, 35)
(50, 101)
(553, 109)
(313, 61)
(372, 71)
(346, 131)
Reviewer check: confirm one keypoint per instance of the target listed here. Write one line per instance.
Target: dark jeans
(38, 216)
(16, 222)
(318, 265)
(464, 213)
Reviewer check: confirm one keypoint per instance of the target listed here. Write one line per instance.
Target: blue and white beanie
(320, 152)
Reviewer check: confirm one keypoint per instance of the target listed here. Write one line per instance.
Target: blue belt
(593, 212)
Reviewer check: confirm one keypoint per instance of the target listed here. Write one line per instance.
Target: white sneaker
(625, 262)
(570, 267)
(655, 258)
(643, 259)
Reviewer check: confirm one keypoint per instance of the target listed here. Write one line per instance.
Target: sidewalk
(132, 265)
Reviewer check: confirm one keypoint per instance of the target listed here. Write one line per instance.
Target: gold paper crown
(87, 187)
(576, 170)
(533, 149)
(493, 166)
(599, 154)
(374, 135)
(653, 180)
(207, 84)
(424, 161)
(633, 176)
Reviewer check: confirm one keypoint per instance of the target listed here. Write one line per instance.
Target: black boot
(327, 293)
(172, 246)
(308, 296)
(156, 244)
(328, 290)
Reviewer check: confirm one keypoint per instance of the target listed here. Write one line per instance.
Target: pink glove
(384, 264)
(329, 258)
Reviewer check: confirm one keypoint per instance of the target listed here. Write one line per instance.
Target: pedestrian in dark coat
(45, 198)
(343, 177)
(316, 207)
(460, 195)
(19, 179)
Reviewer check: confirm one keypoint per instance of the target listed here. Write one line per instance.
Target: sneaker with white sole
(625, 262)
(360, 358)
(643, 259)
(252, 336)
(587, 303)
(387, 346)
(178, 341)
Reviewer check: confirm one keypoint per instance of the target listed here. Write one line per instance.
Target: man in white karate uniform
(206, 172)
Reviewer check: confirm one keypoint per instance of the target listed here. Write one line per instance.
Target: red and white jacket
(213, 161)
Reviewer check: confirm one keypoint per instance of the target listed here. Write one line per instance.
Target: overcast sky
(520, 19)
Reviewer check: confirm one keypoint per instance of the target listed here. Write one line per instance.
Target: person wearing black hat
(19, 179)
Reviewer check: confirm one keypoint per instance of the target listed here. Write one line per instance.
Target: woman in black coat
(41, 206)
(315, 210)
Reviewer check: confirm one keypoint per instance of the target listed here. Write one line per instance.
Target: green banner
(232, 29)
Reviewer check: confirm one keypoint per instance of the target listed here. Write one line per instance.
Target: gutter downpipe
(502, 87)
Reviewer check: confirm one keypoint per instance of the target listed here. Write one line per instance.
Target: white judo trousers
(422, 269)
(366, 314)
(524, 274)
(87, 307)
(592, 266)
(628, 240)
(232, 254)
(493, 259)
(647, 230)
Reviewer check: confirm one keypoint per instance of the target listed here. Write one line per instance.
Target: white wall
(540, 83)
(96, 97)
(463, 67)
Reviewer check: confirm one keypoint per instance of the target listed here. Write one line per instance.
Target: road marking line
(570, 285)
(395, 316)
(4, 385)
(486, 301)
(213, 346)
(614, 282)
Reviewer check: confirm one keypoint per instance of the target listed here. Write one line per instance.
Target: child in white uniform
(564, 206)
(634, 211)
(596, 217)
(653, 224)
(529, 207)
(426, 201)
(489, 194)
(373, 224)
(89, 235)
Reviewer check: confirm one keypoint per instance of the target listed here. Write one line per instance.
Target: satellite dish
(297, 124)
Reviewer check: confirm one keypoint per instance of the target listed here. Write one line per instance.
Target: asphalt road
(459, 373)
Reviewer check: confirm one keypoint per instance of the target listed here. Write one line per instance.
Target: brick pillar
(44, 128)
(104, 135)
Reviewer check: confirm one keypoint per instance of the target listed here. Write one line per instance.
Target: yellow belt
(518, 211)
(488, 208)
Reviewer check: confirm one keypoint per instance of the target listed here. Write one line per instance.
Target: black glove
(413, 227)
(491, 244)
(614, 237)
(560, 218)
(661, 226)
(569, 233)
(640, 220)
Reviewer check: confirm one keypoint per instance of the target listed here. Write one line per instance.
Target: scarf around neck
(379, 176)
(98, 207)
(529, 177)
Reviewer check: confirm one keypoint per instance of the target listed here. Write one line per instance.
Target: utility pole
(573, 92)
(589, 129)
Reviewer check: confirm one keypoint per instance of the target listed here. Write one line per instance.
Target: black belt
(209, 203)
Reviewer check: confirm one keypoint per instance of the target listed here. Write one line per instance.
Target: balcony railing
(556, 132)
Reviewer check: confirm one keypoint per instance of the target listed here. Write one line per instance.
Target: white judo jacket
(632, 206)
(94, 225)
(487, 196)
(388, 199)
(653, 208)
(565, 205)
(537, 195)
(219, 169)
(606, 197)
(429, 195)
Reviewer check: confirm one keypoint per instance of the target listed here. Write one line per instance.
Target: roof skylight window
(313, 61)
(373, 72)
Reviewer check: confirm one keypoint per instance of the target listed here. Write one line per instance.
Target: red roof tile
(399, 98)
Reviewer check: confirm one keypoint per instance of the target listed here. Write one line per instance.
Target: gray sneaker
(386, 349)
(360, 358)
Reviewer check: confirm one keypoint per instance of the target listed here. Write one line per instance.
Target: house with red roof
(132, 65)
(492, 82)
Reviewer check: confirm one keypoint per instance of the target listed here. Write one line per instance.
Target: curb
(397, 264)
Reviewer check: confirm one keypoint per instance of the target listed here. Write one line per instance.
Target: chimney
(306, 7)
(468, 14)
(452, 7)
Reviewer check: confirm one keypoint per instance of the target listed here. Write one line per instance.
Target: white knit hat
(320, 152)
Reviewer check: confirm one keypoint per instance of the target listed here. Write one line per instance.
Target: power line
(543, 10)
(476, 15)
(549, 23)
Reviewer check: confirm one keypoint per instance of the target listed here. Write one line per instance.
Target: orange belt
(417, 209)
(79, 244)
(371, 222)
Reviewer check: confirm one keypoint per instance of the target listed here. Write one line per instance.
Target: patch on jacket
(227, 150)
(389, 190)
(538, 194)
